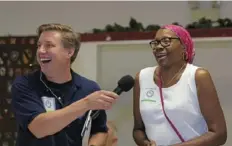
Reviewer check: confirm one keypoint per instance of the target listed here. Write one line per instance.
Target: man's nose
(41, 49)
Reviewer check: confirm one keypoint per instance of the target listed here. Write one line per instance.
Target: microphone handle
(96, 113)
(118, 90)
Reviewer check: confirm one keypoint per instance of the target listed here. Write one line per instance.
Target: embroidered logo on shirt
(149, 94)
(49, 103)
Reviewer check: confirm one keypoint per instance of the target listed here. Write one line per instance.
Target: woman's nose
(158, 48)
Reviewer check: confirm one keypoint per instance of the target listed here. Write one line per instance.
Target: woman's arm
(212, 112)
(139, 135)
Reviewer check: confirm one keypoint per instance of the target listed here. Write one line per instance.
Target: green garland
(135, 26)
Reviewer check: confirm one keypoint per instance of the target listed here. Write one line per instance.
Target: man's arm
(212, 112)
(52, 122)
(30, 113)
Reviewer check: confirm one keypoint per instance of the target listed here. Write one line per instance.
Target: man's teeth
(44, 59)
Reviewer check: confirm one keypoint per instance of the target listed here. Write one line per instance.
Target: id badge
(49, 103)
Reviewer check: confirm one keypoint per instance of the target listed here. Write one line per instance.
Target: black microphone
(124, 84)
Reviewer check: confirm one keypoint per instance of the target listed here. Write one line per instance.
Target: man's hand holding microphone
(103, 100)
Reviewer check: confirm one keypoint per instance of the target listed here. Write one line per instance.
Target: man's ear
(70, 52)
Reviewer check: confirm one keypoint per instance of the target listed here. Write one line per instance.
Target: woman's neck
(172, 68)
(169, 74)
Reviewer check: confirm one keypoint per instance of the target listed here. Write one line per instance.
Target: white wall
(22, 18)
(86, 62)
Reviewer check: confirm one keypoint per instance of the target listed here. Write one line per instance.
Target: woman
(176, 103)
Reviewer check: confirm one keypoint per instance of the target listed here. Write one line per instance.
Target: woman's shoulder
(148, 69)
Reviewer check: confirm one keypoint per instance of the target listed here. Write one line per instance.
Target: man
(51, 104)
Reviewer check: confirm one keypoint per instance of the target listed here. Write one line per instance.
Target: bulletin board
(17, 57)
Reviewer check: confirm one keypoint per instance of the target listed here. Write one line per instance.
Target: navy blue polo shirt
(28, 93)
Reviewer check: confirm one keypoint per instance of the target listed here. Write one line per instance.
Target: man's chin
(45, 70)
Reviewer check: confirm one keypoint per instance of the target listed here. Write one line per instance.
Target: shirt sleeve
(26, 105)
(99, 122)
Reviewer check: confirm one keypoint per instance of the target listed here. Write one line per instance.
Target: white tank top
(180, 103)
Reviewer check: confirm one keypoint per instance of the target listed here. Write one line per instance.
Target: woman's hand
(149, 143)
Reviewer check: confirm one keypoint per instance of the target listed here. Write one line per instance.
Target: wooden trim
(120, 36)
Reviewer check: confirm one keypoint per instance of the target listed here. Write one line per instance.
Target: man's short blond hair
(70, 39)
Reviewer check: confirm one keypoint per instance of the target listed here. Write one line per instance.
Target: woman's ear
(184, 56)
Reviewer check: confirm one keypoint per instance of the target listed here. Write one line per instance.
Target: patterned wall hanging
(17, 57)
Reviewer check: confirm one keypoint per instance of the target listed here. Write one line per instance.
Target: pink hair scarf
(185, 39)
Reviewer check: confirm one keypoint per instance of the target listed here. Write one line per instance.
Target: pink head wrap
(185, 39)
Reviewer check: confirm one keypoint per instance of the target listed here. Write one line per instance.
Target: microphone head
(126, 83)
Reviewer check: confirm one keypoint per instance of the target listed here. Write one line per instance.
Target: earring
(184, 56)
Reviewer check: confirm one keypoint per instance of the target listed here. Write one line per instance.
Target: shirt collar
(76, 78)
